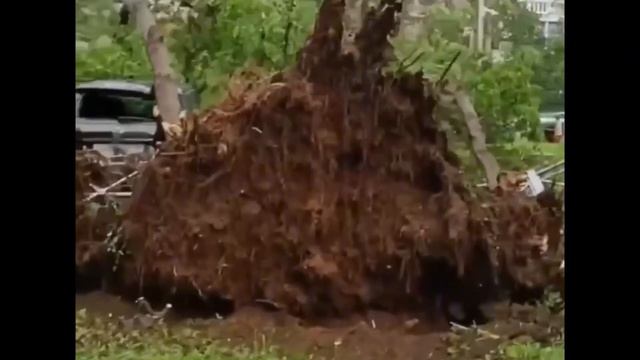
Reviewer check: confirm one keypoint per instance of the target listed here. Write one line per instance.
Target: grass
(533, 351)
(97, 338)
(517, 156)
(524, 155)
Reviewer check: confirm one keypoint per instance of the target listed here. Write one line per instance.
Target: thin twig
(446, 70)
(273, 304)
(478, 330)
(550, 167)
(103, 191)
(213, 178)
(122, 194)
(403, 67)
(174, 153)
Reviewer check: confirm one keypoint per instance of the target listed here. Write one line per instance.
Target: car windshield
(114, 104)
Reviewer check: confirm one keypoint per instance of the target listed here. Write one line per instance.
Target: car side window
(114, 105)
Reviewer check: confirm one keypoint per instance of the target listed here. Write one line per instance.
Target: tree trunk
(166, 89)
(478, 140)
(488, 37)
(351, 24)
(412, 18)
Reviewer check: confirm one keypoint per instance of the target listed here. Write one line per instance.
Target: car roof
(551, 117)
(145, 87)
(552, 113)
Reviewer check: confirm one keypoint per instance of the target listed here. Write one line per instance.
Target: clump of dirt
(327, 191)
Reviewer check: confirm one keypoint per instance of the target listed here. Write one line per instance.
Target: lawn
(97, 338)
(533, 351)
(515, 156)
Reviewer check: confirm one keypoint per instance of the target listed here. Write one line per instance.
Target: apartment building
(551, 13)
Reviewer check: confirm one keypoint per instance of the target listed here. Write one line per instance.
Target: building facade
(551, 13)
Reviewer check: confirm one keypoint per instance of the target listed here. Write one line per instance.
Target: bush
(507, 95)
(503, 94)
(507, 100)
(122, 57)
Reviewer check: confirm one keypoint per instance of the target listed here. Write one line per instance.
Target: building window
(554, 29)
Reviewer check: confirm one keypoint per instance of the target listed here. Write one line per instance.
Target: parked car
(117, 116)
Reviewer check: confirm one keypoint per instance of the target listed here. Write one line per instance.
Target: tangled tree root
(325, 191)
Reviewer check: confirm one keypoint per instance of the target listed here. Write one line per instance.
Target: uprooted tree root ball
(327, 190)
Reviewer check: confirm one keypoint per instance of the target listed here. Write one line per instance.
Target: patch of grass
(525, 155)
(533, 351)
(97, 338)
(516, 156)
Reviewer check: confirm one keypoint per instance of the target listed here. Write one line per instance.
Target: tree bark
(478, 140)
(412, 18)
(165, 87)
(351, 24)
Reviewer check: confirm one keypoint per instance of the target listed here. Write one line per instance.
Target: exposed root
(326, 192)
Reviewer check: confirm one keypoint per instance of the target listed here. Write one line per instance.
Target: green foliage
(518, 155)
(523, 154)
(507, 100)
(449, 24)
(503, 93)
(507, 94)
(213, 40)
(533, 351)
(105, 50)
(549, 75)
(227, 35)
(516, 24)
(121, 57)
(94, 18)
(432, 56)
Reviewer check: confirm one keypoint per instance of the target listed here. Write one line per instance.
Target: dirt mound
(327, 190)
